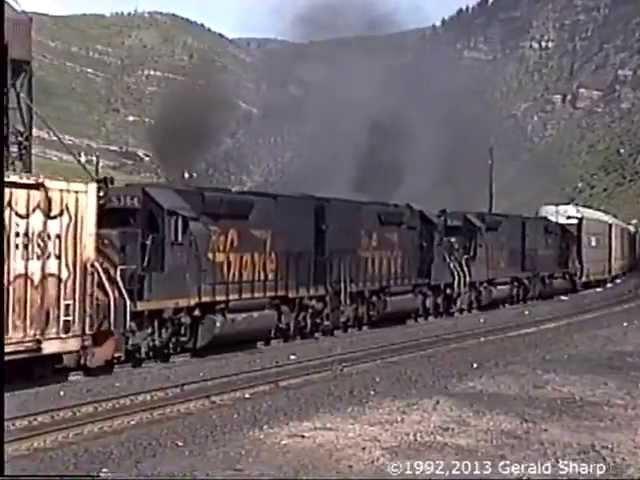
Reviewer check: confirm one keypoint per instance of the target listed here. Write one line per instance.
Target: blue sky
(237, 18)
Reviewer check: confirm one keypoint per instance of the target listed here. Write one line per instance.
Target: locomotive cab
(459, 241)
(145, 231)
(462, 232)
(119, 235)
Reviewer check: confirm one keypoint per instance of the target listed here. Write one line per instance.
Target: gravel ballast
(153, 375)
(564, 394)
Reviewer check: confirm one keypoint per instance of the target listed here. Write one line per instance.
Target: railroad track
(22, 386)
(47, 429)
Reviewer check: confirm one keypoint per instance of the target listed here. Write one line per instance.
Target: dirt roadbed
(563, 402)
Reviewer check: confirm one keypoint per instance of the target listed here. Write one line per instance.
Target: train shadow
(392, 323)
(214, 349)
(14, 381)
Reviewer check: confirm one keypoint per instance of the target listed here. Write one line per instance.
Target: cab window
(178, 228)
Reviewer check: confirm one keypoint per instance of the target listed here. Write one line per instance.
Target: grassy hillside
(99, 78)
(566, 74)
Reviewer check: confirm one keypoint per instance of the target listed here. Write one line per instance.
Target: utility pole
(491, 178)
(97, 165)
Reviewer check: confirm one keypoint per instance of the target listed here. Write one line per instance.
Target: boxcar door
(596, 250)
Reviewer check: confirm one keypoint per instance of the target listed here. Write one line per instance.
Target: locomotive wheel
(293, 329)
(535, 287)
(304, 328)
(284, 329)
(474, 301)
(136, 362)
(327, 330)
(296, 327)
(359, 324)
(286, 335)
(460, 304)
(164, 356)
(434, 310)
(311, 327)
(447, 306)
(576, 286)
(134, 357)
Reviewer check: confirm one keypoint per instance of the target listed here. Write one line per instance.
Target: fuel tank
(237, 327)
(400, 306)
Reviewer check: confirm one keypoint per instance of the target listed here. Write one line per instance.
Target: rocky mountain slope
(554, 85)
(99, 79)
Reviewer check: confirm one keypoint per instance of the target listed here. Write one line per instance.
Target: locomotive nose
(123, 244)
(123, 248)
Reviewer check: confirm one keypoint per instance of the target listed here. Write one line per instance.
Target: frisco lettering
(562, 467)
(38, 245)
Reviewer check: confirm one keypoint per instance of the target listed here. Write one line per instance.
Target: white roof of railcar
(571, 214)
(48, 182)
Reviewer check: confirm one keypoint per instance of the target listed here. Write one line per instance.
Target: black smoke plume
(378, 169)
(192, 120)
(396, 117)
(324, 19)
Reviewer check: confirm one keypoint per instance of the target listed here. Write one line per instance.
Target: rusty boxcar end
(50, 273)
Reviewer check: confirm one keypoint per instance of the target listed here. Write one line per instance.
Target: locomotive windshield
(453, 231)
(114, 218)
(463, 238)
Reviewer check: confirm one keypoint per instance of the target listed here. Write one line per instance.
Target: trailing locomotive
(498, 258)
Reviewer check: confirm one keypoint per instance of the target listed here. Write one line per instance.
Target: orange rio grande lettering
(379, 262)
(241, 266)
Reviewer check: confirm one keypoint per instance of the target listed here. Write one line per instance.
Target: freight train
(96, 275)
(147, 271)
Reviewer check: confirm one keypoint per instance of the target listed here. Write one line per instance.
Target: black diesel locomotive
(195, 267)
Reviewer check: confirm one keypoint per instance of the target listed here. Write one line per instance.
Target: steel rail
(43, 430)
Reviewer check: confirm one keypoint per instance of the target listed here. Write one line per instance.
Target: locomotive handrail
(466, 271)
(147, 253)
(107, 287)
(123, 292)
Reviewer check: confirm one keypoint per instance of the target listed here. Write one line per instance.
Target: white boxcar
(604, 241)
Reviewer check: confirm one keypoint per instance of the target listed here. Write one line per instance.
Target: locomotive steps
(47, 429)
